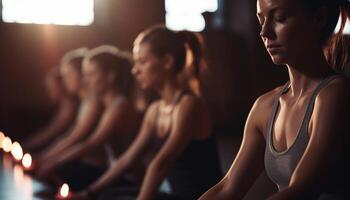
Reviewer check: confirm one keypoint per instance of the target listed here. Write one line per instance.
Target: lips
(273, 48)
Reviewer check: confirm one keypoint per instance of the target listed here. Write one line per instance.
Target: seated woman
(107, 72)
(67, 110)
(87, 116)
(177, 127)
(298, 132)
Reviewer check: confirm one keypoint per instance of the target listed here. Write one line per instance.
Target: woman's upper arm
(87, 118)
(111, 122)
(144, 137)
(249, 161)
(328, 138)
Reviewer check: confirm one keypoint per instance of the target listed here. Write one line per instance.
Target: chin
(278, 60)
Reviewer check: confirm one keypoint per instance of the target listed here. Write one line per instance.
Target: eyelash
(280, 18)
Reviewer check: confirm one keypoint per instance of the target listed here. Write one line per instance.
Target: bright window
(187, 14)
(61, 12)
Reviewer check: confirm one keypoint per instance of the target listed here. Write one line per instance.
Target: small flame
(27, 160)
(64, 190)
(17, 151)
(2, 136)
(7, 144)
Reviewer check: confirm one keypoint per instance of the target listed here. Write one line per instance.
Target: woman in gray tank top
(297, 132)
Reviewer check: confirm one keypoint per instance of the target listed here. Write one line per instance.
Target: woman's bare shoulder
(337, 88)
(267, 99)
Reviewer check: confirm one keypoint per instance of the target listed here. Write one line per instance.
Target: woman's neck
(169, 91)
(304, 76)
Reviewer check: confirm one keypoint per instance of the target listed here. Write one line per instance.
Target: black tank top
(197, 169)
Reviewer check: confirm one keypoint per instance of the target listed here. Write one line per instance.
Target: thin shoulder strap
(274, 110)
(311, 104)
(177, 100)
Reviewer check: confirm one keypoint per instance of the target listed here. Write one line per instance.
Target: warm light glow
(346, 28)
(27, 160)
(18, 174)
(64, 190)
(2, 136)
(62, 12)
(187, 14)
(7, 144)
(17, 151)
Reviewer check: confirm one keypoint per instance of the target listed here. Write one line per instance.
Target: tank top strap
(274, 110)
(181, 94)
(310, 106)
(176, 101)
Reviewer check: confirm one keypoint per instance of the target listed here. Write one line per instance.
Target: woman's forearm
(113, 174)
(216, 192)
(154, 176)
(73, 153)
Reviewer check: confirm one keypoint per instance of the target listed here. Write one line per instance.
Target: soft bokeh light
(7, 144)
(187, 14)
(64, 191)
(61, 12)
(18, 174)
(2, 136)
(17, 151)
(27, 160)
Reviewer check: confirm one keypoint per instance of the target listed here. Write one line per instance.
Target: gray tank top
(280, 165)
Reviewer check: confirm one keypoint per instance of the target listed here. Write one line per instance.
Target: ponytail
(337, 50)
(195, 61)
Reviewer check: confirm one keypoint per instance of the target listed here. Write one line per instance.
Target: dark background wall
(240, 69)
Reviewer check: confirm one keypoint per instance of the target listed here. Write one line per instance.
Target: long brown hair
(336, 46)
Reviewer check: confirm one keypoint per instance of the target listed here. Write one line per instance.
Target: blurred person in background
(107, 75)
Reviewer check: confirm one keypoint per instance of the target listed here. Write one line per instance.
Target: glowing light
(187, 14)
(27, 160)
(64, 191)
(18, 174)
(7, 144)
(17, 151)
(62, 12)
(346, 28)
(2, 136)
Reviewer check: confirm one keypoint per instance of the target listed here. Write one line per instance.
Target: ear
(168, 61)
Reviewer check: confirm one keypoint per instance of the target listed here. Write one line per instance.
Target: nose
(266, 31)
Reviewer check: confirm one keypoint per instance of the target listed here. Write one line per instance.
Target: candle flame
(64, 190)
(27, 160)
(2, 136)
(17, 151)
(7, 144)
